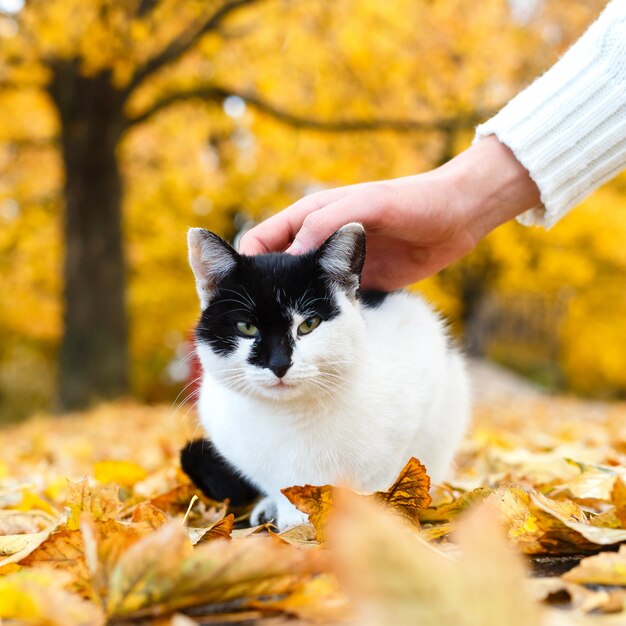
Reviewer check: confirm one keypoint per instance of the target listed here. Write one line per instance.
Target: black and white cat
(308, 380)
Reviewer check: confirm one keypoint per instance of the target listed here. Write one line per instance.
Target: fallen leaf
(162, 572)
(123, 473)
(301, 536)
(395, 577)
(318, 600)
(38, 597)
(316, 502)
(618, 498)
(409, 494)
(63, 550)
(15, 522)
(18, 547)
(606, 568)
(147, 517)
(218, 530)
(572, 519)
(451, 510)
(101, 502)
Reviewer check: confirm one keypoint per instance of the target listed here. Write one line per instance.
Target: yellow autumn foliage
(220, 164)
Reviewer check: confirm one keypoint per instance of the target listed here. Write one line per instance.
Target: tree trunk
(93, 362)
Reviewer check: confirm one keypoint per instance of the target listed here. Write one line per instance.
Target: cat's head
(280, 326)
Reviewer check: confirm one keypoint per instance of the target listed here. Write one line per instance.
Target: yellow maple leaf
(123, 473)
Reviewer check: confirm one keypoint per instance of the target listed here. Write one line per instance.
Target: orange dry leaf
(162, 572)
(218, 530)
(395, 577)
(408, 496)
(101, 502)
(147, 517)
(618, 498)
(63, 550)
(316, 502)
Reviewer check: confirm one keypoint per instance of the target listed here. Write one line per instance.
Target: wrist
(491, 185)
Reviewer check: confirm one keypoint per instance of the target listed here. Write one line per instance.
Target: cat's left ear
(342, 256)
(211, 258)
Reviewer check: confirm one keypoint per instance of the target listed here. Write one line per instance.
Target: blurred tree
(182, 111)
(92, 59)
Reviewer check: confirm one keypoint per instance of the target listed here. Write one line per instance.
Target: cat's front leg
(288, 515)
(264, 511)
(280, 510)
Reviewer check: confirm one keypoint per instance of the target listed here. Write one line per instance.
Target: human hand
(415, 225)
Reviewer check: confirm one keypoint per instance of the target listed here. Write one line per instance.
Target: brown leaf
(409, 494)
(147, 517)
(397, 578)
(63, 550)
(219, 530)
(176, 502)
(162, 572)
(618, 498)
(101, 502)
(316, 502)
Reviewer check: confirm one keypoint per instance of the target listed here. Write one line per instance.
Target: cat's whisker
(197, 379)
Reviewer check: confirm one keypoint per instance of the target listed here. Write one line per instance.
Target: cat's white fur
(367, 390)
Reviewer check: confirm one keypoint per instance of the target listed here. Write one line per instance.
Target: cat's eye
(309, 325)
(247, 329)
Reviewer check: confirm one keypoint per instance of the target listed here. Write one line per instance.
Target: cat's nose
(280, 369)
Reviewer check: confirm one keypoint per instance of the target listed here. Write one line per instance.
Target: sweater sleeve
(568, 128)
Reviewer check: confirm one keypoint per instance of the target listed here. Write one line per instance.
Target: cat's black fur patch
(261, 290)
(372, 299)
(214, 476)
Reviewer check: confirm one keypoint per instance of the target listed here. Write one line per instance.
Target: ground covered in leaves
(98, 525)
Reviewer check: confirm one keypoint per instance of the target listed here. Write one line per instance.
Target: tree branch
(185, 41)
(216, 93)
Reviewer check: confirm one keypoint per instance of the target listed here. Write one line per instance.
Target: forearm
(488, 186)
(568, 128)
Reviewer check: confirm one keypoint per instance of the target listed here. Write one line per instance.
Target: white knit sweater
(568, 128)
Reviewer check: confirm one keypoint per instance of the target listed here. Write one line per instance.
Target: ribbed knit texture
(568, 128)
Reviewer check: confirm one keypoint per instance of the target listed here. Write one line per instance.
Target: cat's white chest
(276, 447)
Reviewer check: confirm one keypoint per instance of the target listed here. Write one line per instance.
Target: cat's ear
(342, 256)
(211, 258)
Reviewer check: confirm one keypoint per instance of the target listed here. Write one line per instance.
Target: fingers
(367, 205)
(276, 233)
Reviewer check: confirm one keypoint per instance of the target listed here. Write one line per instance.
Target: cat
(309, 380)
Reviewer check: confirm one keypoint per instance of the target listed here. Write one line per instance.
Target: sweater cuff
(568, 128)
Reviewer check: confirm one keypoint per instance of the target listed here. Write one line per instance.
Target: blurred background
(123, 122)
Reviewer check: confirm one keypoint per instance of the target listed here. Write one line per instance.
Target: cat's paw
(264, 511)
(290, 517)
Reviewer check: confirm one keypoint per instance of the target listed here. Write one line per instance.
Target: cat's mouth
(281, 384)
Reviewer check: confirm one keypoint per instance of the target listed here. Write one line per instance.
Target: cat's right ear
(211, 258)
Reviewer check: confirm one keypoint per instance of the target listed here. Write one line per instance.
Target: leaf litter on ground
(95, 527)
